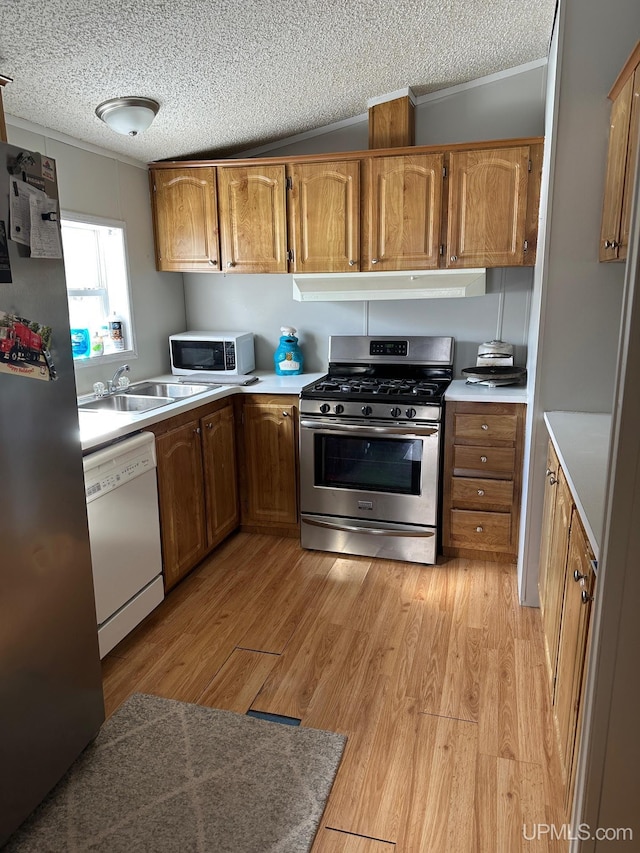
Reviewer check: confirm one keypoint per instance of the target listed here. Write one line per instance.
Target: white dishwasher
(124, 532)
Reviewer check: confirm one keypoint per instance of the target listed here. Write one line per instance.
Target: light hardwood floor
(435, 674)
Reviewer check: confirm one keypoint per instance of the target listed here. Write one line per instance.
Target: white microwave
(211, 353)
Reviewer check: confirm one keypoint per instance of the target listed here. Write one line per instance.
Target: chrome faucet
(112, 385)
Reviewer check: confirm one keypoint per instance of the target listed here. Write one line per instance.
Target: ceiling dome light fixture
(129, 116)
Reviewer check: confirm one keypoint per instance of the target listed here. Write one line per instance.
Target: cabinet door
(324, 216)
(181, 497)
(252, 219)
(614, 180)
(548, 511)
(630, 171)
(487, 213)
(220, 474)
(269, 432)
(402, 212)
(185, 219)
(555, 571)
(576, 610)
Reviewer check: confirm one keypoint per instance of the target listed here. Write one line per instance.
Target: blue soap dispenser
(288, 357)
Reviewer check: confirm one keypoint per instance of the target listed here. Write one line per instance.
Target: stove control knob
(410, 413)
(324, 408)
(339, 409)
(396, 412)
(366, 410)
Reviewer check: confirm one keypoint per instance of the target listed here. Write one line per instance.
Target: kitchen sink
(173, 390)
(126, 403)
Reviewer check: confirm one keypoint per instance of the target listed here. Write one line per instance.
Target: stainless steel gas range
(370, 447)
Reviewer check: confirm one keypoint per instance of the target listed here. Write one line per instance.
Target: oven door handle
(420, 432)
(373, 531)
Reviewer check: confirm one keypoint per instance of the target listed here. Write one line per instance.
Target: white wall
(575, 330)
(100, 185)
(502, 106)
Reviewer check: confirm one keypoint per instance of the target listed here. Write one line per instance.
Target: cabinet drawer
(486, 461)
(481, 530)
(486, 427)
(475, 492)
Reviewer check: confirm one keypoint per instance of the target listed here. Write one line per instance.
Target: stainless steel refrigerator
(51, 702)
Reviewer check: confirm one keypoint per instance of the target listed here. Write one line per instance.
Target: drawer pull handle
(478, 529)
(485, 426)
(481, 493)
(483, 458)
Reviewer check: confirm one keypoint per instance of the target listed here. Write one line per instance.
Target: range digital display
(388, 348)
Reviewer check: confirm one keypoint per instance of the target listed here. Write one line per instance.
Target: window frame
(131, 352)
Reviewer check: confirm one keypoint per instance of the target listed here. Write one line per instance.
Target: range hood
(367, 286)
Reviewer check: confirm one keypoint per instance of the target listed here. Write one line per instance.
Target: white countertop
(99, 428)
(463, 393)
(581, 440)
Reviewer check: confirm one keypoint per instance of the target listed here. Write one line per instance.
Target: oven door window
(376, 464)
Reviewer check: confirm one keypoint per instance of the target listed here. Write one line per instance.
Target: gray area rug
(169, 776)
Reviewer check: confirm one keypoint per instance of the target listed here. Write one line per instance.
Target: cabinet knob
(478, 529)
(481, 493)
(454, 258)
(552, 480)
(611, 244)
(485, 426)
(586, 598)
(578, 576)
(352, 263)
(231, 263)
(285, 414)
(374, 260)
(548, 472)
(213, 262)
(483, 458)
(196, 431)
(209, 425)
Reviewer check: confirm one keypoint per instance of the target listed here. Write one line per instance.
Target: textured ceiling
(231, 76)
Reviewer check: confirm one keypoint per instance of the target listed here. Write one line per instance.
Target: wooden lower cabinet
(572, 651)
(220, 474)
(558, 506)
(566, 584)
(268, 464)
(196, 486)
(482, 479)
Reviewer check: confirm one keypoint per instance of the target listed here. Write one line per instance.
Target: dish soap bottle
(116, 331)
(288, 357)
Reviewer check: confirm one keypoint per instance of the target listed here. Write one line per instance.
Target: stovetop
(370, 388)
(382, 378)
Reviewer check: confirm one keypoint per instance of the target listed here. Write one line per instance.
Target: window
(95, 262)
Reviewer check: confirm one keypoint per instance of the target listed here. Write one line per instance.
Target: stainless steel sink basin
(125, 403)
(173, 390)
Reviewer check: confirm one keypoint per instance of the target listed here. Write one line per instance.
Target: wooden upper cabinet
(616, 167)
(621, 161)
(253, 232)
(402, 212)
(324, 216)
(487, 214)
(630, 172)
(185, 219)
